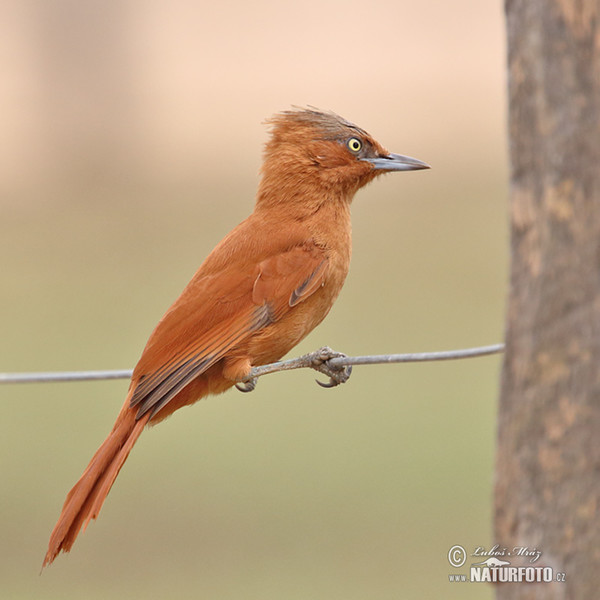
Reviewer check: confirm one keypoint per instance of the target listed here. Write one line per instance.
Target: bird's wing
(217, 312)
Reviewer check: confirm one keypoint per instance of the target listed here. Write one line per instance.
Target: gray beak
(396, 162)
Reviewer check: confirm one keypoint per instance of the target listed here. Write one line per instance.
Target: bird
(262, 289)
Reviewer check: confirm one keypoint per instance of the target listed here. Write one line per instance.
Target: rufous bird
(264, 287)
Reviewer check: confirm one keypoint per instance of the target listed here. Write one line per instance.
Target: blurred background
(131, 141)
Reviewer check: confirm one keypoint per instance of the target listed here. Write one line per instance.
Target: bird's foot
(247, 386)
(337, 374)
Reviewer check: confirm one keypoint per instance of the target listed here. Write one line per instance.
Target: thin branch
(312, 360)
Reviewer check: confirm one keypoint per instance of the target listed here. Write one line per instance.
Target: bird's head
(312, 150)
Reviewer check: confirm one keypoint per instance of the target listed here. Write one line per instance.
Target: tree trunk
(547, 493)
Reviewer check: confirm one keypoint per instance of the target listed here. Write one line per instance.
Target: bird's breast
(333, 234)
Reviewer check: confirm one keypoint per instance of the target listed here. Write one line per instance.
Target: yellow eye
(354, 145)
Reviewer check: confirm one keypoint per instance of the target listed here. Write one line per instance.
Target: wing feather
(154, 393)
(218, 312)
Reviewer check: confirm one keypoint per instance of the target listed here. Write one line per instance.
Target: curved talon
(247, 386)
(329, 384)
(336, 376)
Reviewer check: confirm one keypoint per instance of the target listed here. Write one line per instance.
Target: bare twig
(313, 360)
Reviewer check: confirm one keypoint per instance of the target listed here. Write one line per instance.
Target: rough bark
(547, 492)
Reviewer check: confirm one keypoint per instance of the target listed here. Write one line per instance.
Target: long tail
(85, 500)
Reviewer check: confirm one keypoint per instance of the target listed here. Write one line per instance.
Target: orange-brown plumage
(264, 287)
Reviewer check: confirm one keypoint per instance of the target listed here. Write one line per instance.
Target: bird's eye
(354, 145)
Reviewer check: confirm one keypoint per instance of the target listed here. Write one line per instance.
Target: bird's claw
(247, 386)
(336, 374)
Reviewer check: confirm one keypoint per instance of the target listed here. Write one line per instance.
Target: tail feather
(84, 501)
